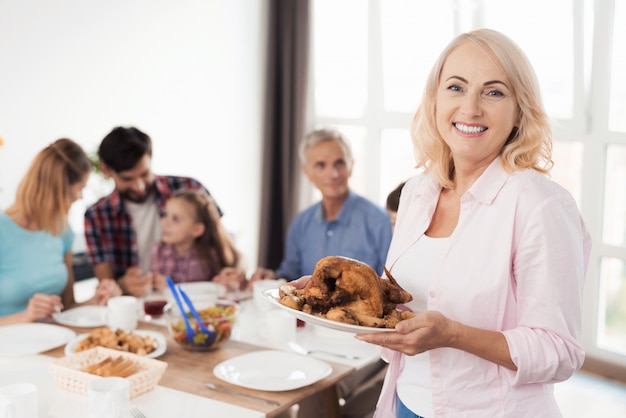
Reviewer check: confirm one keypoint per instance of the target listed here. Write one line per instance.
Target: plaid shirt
(109, 230)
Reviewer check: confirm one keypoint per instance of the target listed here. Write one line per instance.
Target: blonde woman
(36, 277)
(493, 251)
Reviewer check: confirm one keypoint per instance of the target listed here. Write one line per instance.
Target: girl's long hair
(215, 239)
(42, 196)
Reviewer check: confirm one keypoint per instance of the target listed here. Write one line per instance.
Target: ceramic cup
(276, 328)
(18, 400)
(121, 313)
(261, 304)
(108, 397)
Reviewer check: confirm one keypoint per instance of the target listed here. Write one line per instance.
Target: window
(612, 295)
(612, 312)
(549, 45)
(396, 160)
(617, 108)
(614, 228)
(340, 61)
(404, 25)
(368, 81)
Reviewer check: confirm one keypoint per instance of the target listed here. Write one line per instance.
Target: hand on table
(233, 278)
(135, 281)
(42, 306)
(107, 288)
(261, 274)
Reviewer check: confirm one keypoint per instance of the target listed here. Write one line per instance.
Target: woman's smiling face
(476, 108)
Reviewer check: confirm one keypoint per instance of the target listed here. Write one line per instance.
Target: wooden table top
(190, 372)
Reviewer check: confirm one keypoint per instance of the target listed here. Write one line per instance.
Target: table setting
(250, 374)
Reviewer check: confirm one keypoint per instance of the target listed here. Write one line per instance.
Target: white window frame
(588, 125)
(596, 139)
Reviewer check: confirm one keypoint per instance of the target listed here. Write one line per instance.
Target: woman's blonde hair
(42, 196)
(215, 237)
(529, 144)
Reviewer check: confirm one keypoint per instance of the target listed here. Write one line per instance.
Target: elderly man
(342, 223)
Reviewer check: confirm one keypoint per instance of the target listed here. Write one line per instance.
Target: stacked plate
(32, 338)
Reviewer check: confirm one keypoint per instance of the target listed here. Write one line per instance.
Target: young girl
(194, 244)
(36, 276)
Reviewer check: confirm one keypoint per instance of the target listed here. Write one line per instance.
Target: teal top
(30, 262)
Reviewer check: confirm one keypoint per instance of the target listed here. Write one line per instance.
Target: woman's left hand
(421, 333)
(107, 288)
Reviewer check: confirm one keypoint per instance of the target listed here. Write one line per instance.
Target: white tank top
(413, 271)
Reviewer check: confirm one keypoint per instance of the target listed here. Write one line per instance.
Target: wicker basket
(69, 375)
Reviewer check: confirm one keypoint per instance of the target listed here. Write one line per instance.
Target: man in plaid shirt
(121, 228)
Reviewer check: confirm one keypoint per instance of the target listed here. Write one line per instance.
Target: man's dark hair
(393, 198)
(123, 148)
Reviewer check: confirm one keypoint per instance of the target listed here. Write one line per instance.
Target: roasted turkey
(346, 290)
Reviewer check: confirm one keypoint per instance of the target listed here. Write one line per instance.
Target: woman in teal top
(36, 277)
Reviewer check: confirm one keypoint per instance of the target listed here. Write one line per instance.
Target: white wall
(187, 72)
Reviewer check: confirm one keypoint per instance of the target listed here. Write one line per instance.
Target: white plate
(199, 288)
(82, 316)
(201, 293)
(272, 370)
(272, 296)
(160, 339)
(28, 339)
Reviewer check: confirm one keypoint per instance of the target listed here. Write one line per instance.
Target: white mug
(18, 400)
(261, 304)
(121, 313)
(277, 328)
(108, 397)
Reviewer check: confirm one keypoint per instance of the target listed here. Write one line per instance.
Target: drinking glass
(153, 304)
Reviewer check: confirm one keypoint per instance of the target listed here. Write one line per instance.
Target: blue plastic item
(196, 315)
(190, 330)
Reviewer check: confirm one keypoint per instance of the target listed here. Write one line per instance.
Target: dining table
(182, 389)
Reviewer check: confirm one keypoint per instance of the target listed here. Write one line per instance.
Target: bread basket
(69, 375)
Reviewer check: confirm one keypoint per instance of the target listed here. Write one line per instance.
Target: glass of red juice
(153, 305)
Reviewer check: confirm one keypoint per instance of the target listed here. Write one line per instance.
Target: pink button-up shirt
(515, 263)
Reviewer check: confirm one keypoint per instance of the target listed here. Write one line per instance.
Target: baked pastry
(118, 340)
(119, 367)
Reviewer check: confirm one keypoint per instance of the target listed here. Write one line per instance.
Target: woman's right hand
(42, 306)
(431, 329)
